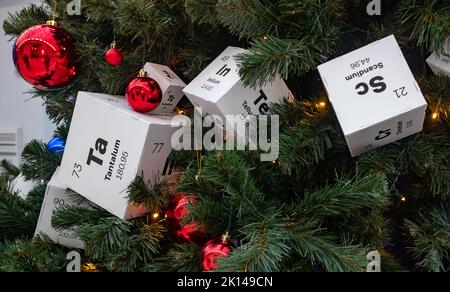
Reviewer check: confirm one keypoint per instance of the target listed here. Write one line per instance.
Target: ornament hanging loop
(226, 237)
(53, 22)
(142, 73)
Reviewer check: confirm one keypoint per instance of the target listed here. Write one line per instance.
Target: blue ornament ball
(56, 146)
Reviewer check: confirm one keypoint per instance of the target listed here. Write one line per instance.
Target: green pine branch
(154, 197)
(431, 238)
(264, 250)
(345, 197)
(24, 19)
(430, 22)
(38, 162)
(182, 258)
(9, 169)
(319, 246)
(39, 255)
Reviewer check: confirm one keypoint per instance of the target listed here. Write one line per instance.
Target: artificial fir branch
(15, 219)
(430, 19)
(72, 217)
(311, 241)
(345, 197)
(370, 227)
(17, 216)
(182, 258)
(202, 11)
(9, 169)
(39, 255)
(437, 91)
(138, 249)
(154, 197)
(431, 239)
(248, 19)
(264, 249)
(104, 238)
(425, 155)
(27, 17)
(38, 162)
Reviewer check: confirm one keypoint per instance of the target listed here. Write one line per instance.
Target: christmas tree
(315, 208)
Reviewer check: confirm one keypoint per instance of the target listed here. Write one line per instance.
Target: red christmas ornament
(213, 250)
(143, 93)
(113, 56)
(45, 56)
(176, 211)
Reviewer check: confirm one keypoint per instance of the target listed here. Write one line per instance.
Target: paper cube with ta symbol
(108, 145)
(375, 96)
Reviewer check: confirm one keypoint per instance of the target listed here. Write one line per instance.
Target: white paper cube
(108, 145)
(57, 196)
(171, 86)
(22, 187)
(440, 63)
(375, 96)
(218, 90)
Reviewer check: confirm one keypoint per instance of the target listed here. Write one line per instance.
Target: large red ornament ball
(213, 250)
(45, 56)
(176, 212)
(114, 56)
(143, 94)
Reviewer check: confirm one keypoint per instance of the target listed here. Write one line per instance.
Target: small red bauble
(176, 211)
(143, 93)
(45, 56)
(213, 250)
(113, 56)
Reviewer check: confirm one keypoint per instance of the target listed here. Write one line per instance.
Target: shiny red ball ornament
(45, 56)
(214, 250)
(114, 56)
(143, 93)
(176, 212)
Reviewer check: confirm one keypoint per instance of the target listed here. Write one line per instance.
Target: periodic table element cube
(440, 63)
(375, 96)
(219, 90)
(171, 86)
(108, 145)
(56, 197)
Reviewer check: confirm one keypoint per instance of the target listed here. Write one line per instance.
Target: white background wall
(17, 109)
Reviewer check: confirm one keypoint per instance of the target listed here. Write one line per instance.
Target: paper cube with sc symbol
(375, 96)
